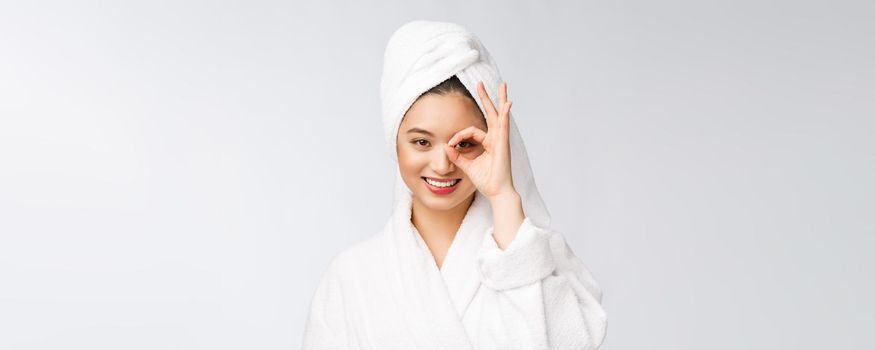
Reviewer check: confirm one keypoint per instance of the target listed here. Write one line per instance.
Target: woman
(467, 260)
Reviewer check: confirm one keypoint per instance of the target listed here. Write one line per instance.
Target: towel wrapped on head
(420, 55)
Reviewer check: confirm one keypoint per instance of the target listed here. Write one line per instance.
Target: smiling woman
(442, 192)
(435, 117)
(467, 259)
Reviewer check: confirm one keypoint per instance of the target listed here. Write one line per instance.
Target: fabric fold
(527, 259)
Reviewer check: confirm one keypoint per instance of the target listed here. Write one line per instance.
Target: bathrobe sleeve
(326, 322)
(544, 294)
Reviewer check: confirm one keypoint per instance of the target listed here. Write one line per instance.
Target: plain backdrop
(178, 174)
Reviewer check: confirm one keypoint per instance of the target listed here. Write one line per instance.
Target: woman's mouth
(441, 187)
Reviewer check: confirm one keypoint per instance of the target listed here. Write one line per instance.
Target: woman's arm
(508, 215)
(544, 295)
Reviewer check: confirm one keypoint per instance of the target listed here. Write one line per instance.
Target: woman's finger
(504, 120)
(491, 113)
(502, 94)
(456, 157)
(467, 133)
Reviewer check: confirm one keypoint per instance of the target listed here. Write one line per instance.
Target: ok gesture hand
(490, 171)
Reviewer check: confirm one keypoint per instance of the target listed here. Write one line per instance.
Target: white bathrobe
(386, 292)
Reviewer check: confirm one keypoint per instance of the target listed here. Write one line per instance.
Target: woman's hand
(490, 171)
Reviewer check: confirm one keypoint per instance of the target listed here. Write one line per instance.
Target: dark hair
(452, 85)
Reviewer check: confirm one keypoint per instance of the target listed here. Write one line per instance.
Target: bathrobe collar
(434, 300)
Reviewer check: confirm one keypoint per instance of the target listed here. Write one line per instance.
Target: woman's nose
(441, 163)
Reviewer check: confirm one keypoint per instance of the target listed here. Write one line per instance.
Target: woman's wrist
(508, 194)
(507, 216)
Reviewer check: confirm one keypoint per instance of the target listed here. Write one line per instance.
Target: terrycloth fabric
(387, 292)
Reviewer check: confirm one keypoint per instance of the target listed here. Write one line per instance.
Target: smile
(441, 187)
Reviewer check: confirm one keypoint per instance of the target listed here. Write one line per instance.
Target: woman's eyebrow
(421, 131)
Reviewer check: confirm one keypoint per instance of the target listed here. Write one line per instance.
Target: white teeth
(441, 184)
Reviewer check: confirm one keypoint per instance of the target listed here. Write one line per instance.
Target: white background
(177, 174)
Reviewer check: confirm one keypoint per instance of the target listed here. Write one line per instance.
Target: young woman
(468, 259)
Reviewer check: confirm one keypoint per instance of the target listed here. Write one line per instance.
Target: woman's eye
(466, 144)
(421, 142)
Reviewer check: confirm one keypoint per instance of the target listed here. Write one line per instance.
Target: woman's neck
(438, 227)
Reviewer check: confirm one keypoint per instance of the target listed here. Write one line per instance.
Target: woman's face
(428, 125)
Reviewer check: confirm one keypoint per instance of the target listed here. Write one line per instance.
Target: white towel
(386, 292)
